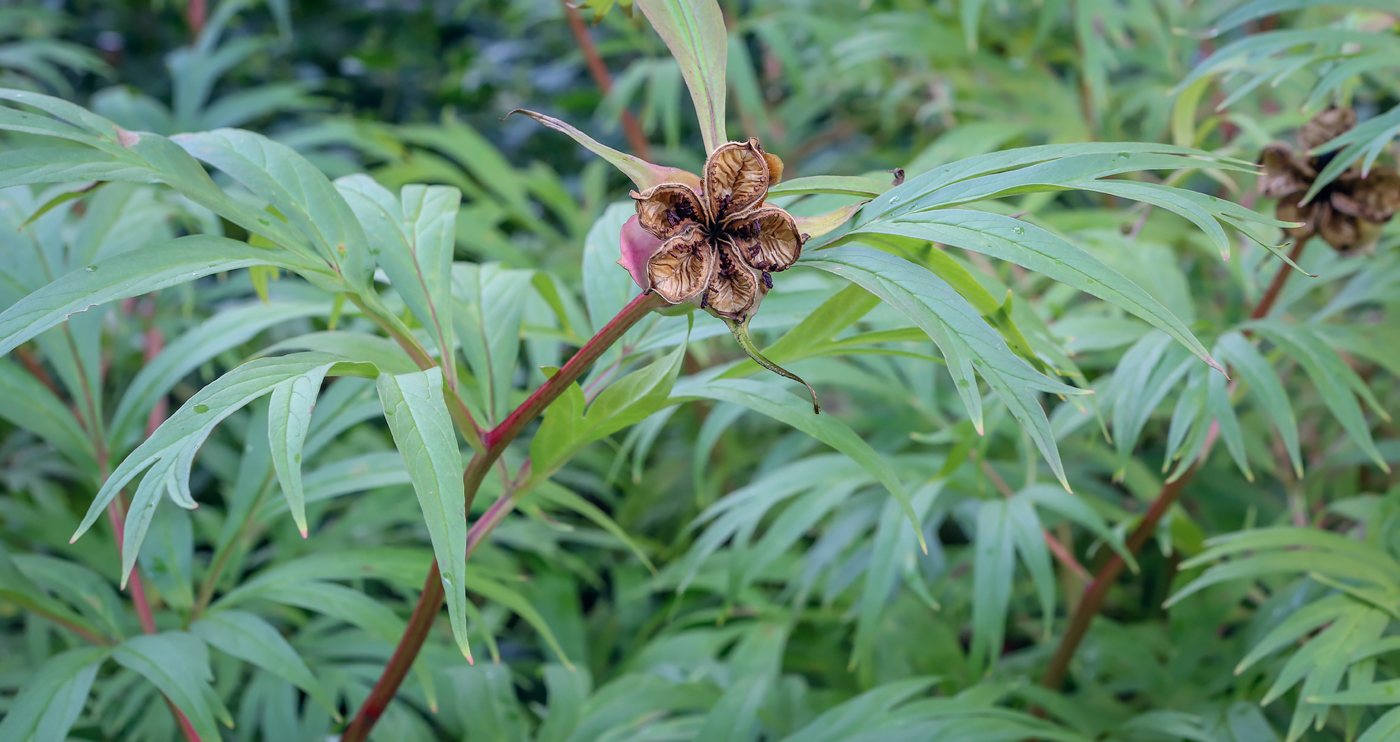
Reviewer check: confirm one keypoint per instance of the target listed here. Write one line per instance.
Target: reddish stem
(198, 15)
(431, 598)
(630, 125)
(1266, 302)
(1097, 590)
(516, 421)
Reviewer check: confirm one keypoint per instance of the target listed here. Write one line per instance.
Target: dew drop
(1123, 155)
(447, 580)
(91, 269)
(894, 200)
(297, 458)
(1019, 230)
(201, 409)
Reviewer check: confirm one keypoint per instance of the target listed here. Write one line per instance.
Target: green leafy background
(259, 261)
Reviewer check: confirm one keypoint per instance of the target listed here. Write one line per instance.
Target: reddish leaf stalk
(431, 598)
(636, 138)
(1096, 593)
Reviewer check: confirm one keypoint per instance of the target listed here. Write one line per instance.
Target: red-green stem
(431, 598)
(1097, 591)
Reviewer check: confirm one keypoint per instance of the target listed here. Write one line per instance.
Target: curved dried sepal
(736, 178)
(1344, 232)
(1327, 125)
(769, 239)
(1375, 198)
(664, 210)
(1284, 172)
(644, 174)
(740, 330)
(816, 226)
(683, 267)
(736, 288)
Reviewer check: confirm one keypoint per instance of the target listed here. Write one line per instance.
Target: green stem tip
(741, 334)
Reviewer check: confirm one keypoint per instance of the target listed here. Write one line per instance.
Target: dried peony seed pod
(1347, 213)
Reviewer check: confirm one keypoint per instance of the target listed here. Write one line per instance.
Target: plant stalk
(1096, 593)
(496, 440)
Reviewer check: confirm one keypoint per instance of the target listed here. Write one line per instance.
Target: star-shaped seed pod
(719, 245)
(1347, 213)
(711, 240)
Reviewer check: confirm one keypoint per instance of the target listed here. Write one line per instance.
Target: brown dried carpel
(1347, 213)
(720, 244)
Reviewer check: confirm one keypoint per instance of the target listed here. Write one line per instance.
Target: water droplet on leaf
(91, 269)
(200, 409)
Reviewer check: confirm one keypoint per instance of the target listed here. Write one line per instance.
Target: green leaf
(793, 412)
(848, 718)
(489, 307)
(1332, 377)
(567, 427)
(994, 564)
(968, 343)
(1256, 9)
(130, 274)
(1029, 536)
(178, 664)
(18, 588)
(970, 15)
(1300, 624)
(412, 239)
(27, 403)
(694, 32)
(1072, 507)
(893, 543)
(167, 556)
(568, 690)
(847, 185)
(175, 441)
(1252, 368)
(1042, 251)
(1385, 728)
(65, 164)
(250, 638)
(296, 188)
(423, 432)
(288, 418)
(53, 697)
(1048, 167)
(485, 704)
(518, 605)
(606, 287)
(225, 330)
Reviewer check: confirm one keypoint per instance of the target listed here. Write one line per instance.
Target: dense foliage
(305, 336)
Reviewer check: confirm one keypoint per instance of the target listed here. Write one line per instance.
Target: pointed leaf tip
(642, 173)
